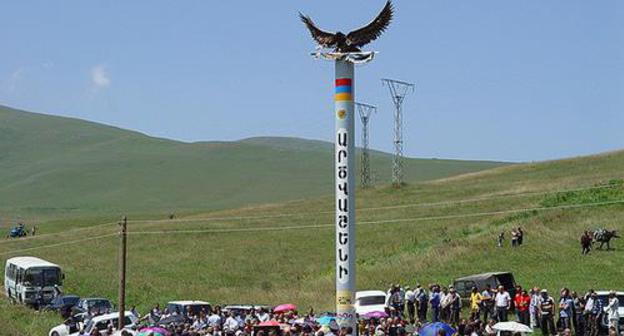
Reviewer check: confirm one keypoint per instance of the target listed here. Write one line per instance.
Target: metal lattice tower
(365, 111)
(398, 91)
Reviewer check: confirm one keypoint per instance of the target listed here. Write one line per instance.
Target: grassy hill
(52, 165)
(426, 232)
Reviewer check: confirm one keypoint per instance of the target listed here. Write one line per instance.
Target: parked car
(464, 285)
(244, 308)
(370, 301)
(603, 296)
(183, 306)
(62, 304)
(100, 323)
(94, 304)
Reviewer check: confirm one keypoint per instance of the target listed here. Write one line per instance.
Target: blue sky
(506, 80)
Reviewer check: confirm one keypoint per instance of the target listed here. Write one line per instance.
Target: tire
(54, 334)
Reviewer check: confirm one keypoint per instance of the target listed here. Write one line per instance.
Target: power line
(60, 244)
(388, 207)
(385, 221)
(303, 214)
(322, 226)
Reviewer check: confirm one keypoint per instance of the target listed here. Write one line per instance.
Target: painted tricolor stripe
(344, 89)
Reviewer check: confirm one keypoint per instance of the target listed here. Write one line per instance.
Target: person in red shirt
(522, 301)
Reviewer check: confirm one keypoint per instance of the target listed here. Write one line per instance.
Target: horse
(604, 237)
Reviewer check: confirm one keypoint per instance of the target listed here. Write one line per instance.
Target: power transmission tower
(398, 91)
(365, 111)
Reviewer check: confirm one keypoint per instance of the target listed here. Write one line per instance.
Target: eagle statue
(353, 41)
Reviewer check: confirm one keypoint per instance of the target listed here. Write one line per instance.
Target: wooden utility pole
(122, 272)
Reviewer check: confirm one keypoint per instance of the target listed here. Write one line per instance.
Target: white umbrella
(512, 326)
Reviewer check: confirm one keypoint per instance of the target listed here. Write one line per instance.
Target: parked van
(464, 285)
(31, 280)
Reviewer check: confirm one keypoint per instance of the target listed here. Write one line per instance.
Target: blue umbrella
(431, 329)
(325, 320)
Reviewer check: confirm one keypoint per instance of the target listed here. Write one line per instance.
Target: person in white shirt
(410, 301)
(263, 316)
(214, 319)
(502, 301)
(231, 324)
(612, 312)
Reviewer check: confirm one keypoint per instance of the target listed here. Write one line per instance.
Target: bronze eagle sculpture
(353, 41)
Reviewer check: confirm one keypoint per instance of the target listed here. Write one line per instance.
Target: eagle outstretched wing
(373, 30)
(322, 37)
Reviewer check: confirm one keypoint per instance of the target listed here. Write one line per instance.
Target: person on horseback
(586, 243)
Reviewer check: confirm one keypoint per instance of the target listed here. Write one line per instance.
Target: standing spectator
(231, 324)
(475, 304)
(612, 312)
(501, 239)
(503, 304)
(533, 307)
(578, 317)
(263, 316)
(565, 309)
(546, 310)
(520, 236)
(445, 308)
(435, 302)
(593, 306)
(514, 238)
(423, 301)
(454, 306)
(396, 301)
(410, 301)
(522, 302)
(214, 320)
(487, 303)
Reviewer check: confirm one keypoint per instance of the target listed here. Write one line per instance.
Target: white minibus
(31, 280)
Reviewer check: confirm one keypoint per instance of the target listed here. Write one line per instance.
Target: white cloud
(99, 77)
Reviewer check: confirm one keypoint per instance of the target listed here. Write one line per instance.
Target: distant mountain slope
(55, 164)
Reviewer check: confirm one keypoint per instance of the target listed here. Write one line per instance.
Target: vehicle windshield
(103, 324)
(99, 304)
(72, 300)
(605, 299)
(372, 300)
(43, 276)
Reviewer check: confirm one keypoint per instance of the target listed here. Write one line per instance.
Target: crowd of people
(408, 310)
(517, 237)
(571, 313)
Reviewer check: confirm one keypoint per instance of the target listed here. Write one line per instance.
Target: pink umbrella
(284, 308)
(156, 331)
(375, 315)
(270, 323)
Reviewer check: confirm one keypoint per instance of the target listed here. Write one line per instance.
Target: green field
(425, 232)
(61, 167)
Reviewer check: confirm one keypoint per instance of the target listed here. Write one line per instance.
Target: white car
(604, 297)
(370, 301)
(100, 322)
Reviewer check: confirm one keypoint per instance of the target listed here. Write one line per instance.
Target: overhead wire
(300, 227)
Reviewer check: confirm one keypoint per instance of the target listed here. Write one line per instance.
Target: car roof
(31, 262)
(109, 316)
(188, 302)
(481, 276)
(70, 296)
(369, 293)
(245, 306)
(95, 299)
(603, 292)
